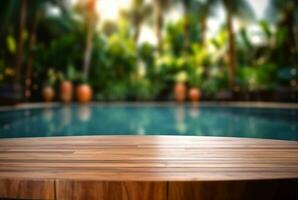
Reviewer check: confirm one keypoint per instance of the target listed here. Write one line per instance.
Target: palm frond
(240, 9)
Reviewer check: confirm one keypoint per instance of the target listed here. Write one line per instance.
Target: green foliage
(175, 38)
(66, 43)
(52, 77)
(215, 81)
(220, 40)
(264, 25)
(261, 77)
(238, 8)
(70, 74)
(117, 91)
(122, 69)
(115, 58)
(146, 53)
(11, 44)
(142, 89)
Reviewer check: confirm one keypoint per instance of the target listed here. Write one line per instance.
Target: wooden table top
(148, 158)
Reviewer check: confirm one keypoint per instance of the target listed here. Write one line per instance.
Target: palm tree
(186, 14)
(36, 13)
(20, 39)
(204, 9)
(234, 9)
(8, 10)
(138, 12)
(29, 13)
(88, 9)
(284, 13)
(91, 23)
(160, 7)
(32, 42)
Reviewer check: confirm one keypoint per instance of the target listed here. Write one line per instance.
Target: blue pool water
(166, 119)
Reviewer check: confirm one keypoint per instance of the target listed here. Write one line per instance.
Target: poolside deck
(147, 167)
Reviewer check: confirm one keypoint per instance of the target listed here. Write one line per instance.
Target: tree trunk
(289, 46)
(32, 42)
(137, 33)
(159, 25)
(88, 52)
(231, 53)
(186, 31)
(91, 23)
(20, 44)
(203, 26)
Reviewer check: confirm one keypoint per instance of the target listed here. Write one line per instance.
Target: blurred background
(148, 50)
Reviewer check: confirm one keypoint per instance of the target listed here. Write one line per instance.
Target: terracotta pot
(194, 94)
(66, 91)
(180, 92)
(48, 93)
(84, 93)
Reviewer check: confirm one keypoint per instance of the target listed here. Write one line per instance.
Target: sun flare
(108, 10)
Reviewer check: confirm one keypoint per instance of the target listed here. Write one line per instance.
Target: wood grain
(77, 190)
(230, 190)
(138, 166)
(27, 189)
(148, 158)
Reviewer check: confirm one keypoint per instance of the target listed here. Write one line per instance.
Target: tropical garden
(51, 47)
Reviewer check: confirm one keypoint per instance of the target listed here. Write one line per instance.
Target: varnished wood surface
(234, 190)
(148, 158)
(27, 189)
(111, 190)
(148, 167)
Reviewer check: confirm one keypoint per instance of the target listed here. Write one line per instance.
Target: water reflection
(180, 119)
(141, 130)
(47, 114)
(83, 113)
(190, 119)
(66, 115)
(194, 110)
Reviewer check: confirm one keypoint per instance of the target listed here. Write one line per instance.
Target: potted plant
(48, 92)
(66, 86)
(84, 91)
(194, 94)
(180, 87)
(66, 90)
(195, 82)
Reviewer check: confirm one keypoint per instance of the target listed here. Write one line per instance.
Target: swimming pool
(150, 119)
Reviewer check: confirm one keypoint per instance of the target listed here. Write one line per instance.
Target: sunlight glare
(108, 10)
(147, 35)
